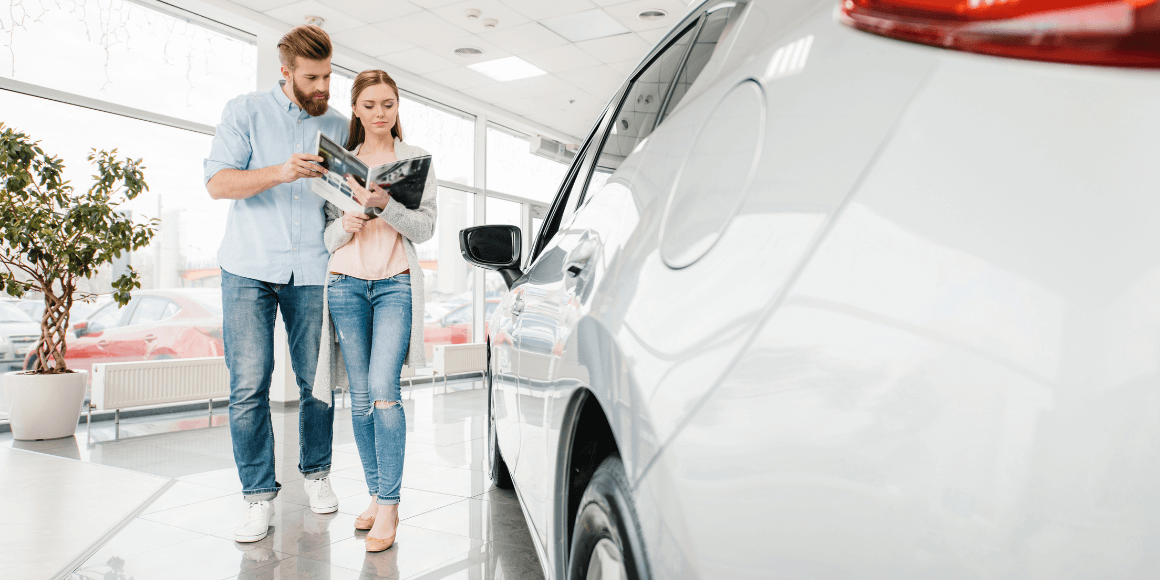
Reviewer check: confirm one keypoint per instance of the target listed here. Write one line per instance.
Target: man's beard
(313, 107)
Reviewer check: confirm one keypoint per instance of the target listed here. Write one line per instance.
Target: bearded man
(273, 259)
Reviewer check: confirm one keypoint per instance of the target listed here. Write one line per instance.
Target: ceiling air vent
(551, 149)
(468, 51)
(652, 15)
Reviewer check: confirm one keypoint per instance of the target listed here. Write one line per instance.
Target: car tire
(496, 468)
(606, 532)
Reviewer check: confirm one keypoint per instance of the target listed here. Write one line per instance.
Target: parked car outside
(154, 325)
(35, 309)
(836, 304)
(453, 327)
(18, 333)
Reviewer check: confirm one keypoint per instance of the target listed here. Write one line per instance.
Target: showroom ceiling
(571, 54)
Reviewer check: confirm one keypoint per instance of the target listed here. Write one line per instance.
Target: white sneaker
(322, 498)
(256, 523)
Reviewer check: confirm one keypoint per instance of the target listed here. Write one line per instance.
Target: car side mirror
(81, 329)
(496, 248)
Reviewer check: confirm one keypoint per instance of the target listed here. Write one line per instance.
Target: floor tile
(469, 454)
(474, 518)
(183, 493)
(302, 531)
(295, 492)
(412, 503)
(215, 515)
(415, 550)
(507, 559)
(203, 558)
(456, 481)
(502, 495)
(141, 536)
(296, 568)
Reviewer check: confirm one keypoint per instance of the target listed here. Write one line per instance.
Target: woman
(374, 298)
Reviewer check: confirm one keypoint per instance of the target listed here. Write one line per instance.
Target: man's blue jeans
(249, 308)
(373, 320)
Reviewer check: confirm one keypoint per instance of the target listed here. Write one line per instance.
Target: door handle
(150, 338)
(578, 258)
(102, 344)
(518, 306)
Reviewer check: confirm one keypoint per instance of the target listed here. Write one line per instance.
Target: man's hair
(306, 41)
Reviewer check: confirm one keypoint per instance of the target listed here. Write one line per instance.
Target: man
(273, 259)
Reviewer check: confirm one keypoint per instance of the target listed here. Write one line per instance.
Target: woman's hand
(353, 223)
(374, 197)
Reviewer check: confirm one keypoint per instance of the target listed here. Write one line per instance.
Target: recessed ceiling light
(468, 51)
(507, 69)
(586, 25)
(652, 15)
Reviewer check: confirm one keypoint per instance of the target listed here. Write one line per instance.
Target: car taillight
(1124, 33)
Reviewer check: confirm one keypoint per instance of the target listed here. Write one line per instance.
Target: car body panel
(923, 345)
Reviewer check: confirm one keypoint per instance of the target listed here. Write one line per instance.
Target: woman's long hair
(365, 80)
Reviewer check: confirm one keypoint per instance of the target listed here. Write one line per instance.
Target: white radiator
(453, 359)
(138, 384)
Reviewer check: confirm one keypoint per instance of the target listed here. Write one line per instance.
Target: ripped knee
(385, 404)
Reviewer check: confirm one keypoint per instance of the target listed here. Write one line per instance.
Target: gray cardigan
(416, 226)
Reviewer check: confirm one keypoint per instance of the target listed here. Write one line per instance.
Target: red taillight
(1123, 33)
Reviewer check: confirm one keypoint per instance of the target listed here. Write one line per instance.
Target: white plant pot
(44, 406)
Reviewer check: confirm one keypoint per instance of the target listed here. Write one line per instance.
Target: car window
(171, 310)
(149, 310)
(657, 90)
(710, 33)
(459, 316)
(108, 316)
(555, 215)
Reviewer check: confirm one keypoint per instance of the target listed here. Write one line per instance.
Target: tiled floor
(455, 525)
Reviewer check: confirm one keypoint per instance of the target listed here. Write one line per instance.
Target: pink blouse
(374, 253)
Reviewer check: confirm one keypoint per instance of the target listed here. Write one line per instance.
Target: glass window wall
(514, 170)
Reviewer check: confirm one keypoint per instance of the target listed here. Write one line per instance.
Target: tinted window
(108, 317)
(706, 43)
(149, 310)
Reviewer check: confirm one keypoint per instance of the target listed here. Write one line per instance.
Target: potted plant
(51, 238)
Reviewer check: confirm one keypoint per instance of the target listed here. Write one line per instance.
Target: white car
(857, 290)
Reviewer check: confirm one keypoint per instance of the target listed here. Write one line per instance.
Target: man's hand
(298, 166)
(353, 222)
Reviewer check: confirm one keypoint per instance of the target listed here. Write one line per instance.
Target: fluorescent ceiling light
(507, 69)
(587, 25)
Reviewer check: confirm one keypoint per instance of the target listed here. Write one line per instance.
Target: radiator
(453, 359)
(138, 384)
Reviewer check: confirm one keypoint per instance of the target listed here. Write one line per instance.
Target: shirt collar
(283, 101)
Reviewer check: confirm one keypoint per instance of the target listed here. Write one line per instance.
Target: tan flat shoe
(361, 523)
(377, 545)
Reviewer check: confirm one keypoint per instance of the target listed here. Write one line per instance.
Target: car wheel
(606, 540)
(496, 468)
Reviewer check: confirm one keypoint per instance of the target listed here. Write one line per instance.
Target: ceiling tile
(574, 100)
(529, 105)
(616, 48)
(374, 11)
(422, 28)
(527, 37)
(625, 67)
(609, 2)
(429, 4)
(446, 49)
(542, 85)
(494, 9)
(585, 25)
(419, 61)
(458, 78)
(263, 5)
(371, 40)
(627, 13)
(296, 13)
(541, 9)
(493, 93)
(599, 80)
(653, 36)
(561, 58)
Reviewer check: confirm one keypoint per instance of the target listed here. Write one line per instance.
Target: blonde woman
(374, 302)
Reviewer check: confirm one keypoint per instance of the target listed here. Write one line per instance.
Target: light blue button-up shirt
(278, 233)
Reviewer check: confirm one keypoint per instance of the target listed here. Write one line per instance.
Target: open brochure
(403, 180)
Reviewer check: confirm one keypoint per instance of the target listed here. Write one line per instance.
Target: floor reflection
(454, 523)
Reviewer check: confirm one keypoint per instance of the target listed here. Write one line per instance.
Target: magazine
(404, 180)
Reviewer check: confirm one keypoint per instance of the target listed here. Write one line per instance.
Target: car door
(93, 346)
(558, 285)
(134, 341)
